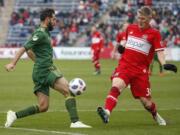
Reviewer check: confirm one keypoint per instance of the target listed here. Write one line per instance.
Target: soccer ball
(77, 86)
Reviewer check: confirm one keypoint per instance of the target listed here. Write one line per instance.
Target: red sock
(97, 65)
(111, 99)
(152, 109)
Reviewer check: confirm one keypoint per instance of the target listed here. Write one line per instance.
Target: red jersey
(140, 47)
(96, 41)
(177, 41)
(121, 38)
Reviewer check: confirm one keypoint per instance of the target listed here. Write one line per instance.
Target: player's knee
(118, 83)
(65, 90)
(66, 93)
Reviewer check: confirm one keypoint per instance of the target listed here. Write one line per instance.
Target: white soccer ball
(77, 86)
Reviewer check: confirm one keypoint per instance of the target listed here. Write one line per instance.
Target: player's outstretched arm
(161, 58)
(12, 64)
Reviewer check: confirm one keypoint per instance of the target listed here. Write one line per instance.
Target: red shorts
(139, 81)
(96, 55)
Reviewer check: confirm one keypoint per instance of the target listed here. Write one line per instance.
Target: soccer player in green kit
(45, 74)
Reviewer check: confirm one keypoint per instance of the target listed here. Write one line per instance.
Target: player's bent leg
(10, 118)
(43, 101)
(111, 100)
(151, 107)
(62, 86)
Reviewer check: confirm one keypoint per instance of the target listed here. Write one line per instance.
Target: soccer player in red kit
(96, 46)
(142, 42)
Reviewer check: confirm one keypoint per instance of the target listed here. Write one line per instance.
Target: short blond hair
(145, 11)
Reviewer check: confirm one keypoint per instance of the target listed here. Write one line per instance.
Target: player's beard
(50, 26)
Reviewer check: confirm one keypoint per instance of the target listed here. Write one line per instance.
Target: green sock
(28, 111)
(71, 108)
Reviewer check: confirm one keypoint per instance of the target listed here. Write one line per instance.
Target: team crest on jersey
(144, 36)
(35, 38)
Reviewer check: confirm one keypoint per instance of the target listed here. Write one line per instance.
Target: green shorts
(43, 79)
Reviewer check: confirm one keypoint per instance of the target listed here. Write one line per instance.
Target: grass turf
(128, 118)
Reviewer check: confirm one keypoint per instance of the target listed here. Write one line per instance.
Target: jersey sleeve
(126, 32)
(35, 39)
(157, 42)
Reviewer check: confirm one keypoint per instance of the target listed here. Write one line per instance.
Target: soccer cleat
(11, 117)
(103, 114)
(97, 72)
(79, 124)
(160, 120)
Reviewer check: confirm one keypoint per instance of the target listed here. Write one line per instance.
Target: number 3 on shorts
(148, 92)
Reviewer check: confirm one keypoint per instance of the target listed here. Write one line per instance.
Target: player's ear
(47, 19)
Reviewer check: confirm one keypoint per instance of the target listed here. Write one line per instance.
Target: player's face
(93, 29)
(143, 21)
(51, 22)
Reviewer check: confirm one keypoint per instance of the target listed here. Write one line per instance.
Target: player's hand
(9, 67)
(170, 67)
(120, 49)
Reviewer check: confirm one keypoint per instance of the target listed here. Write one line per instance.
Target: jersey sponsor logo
(138, 44)
(35, 38)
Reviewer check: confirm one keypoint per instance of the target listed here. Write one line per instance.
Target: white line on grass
(117, 110)
(43, 131)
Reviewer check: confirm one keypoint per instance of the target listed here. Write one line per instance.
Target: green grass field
(128, 118)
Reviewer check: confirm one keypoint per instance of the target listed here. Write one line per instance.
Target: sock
(97, 65)
(152, 109)
(70, 104)
(111, 99)
(160, 68)
(28, 111)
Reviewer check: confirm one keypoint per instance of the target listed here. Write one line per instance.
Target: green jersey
(40, 43)
(44, 72)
